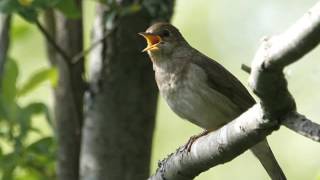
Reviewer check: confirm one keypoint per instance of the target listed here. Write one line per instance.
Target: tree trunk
(68, 94)
(5, 22)
(121, 104)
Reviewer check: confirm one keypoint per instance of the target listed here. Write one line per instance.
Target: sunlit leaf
(25, 2)
(36, 79)
(9, 80)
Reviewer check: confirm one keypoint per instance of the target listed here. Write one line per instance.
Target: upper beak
(152, 40)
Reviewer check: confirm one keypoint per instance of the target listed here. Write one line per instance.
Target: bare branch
(246, 68)
(217, 147)
(65, 56)
(276, 103)
(302, 125)
(81, 55)
(52, 41)
(266, 78)
(297, 122)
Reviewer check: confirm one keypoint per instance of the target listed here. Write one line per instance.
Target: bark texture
(276, 107)
(121, 104)
(68, 95)
(5, 24)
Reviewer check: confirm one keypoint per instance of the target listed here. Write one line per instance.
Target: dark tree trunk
(121, 105)
(5, 22)
(68, 94)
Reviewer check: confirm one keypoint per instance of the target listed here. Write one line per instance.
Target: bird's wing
(221, 80)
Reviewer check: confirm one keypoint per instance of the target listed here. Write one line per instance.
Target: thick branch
(218, 147)
(276, 103)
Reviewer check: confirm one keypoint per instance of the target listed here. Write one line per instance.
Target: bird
(199, 89)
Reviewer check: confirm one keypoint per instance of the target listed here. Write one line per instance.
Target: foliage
(36, 159)
(30, 9)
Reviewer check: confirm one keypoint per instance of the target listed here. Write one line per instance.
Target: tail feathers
(263, 152)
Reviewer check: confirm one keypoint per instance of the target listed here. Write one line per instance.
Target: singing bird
(199, 89)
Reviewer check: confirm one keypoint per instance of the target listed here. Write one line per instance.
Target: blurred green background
(229, 32)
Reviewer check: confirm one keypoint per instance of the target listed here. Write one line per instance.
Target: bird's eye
(165, 33)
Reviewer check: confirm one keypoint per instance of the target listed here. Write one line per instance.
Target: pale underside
(191, 98)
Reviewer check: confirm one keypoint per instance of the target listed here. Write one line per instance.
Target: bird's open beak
(152, 40)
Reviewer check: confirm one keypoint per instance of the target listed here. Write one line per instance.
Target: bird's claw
(192, 139)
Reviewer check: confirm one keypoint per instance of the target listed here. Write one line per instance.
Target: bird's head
(162, 38)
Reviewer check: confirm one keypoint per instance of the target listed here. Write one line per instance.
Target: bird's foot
(192, 139)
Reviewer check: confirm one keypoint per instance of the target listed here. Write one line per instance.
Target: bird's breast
(189, 96)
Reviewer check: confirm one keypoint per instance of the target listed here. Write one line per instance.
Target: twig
(82, 54)
(53, 42)
(302, 125)
(246, 68)
(5, 25)
(78, 56)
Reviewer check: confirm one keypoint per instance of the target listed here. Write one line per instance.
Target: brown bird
(199, 89)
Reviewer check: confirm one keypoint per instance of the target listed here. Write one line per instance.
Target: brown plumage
(198, 88)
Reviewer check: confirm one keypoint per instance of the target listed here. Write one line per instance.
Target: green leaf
(8, 163)
(43, 4)
(42, 146)
(36, 79)
(8, 6)
(29, 13)
(10, 76)
(37, 108)
(40, 153)
(69, 8)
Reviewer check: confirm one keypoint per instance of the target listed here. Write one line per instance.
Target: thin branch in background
(53, 42)
(78, 56)
(246, 68)
(82, 54)
(5, 24)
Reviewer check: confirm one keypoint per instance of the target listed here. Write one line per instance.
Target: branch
(5, 21)
(53, 43)
(276, 103)
(246, 68)
(65, 56)
(79, 56)
(302, 125)
(216, 148)
(297, 122)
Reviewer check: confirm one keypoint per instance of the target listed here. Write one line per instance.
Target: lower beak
(152, 40)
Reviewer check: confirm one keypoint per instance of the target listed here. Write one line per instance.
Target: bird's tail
(263, 152)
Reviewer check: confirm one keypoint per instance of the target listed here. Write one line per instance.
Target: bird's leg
(192, 139)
